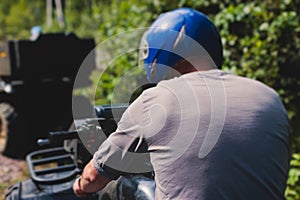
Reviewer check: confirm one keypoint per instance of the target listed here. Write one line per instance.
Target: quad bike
(36, 82)
(36, 87)
(54, 170)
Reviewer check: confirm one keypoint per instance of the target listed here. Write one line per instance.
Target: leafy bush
(18, 16)
(261, 41)
(293, 184)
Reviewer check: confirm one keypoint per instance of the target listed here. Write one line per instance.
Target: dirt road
(11, 171)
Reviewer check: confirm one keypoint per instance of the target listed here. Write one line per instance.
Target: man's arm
(90, 181)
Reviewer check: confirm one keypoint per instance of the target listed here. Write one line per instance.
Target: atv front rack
(52, 166)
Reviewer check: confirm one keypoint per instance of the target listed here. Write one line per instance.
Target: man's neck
(184, 67)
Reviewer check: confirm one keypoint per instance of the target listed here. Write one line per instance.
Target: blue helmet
(174, 36)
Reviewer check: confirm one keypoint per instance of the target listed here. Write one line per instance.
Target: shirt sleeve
(125, 151)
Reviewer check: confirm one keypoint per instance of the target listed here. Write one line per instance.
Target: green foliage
(261, 41)
(293, 184)
(18, 16)
(81, 18)
(119, 17)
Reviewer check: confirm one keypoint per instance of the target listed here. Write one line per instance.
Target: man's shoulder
(257, 85)
(156, 94)
(218, 75)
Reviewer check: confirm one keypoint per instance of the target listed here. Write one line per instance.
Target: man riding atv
(205, 133)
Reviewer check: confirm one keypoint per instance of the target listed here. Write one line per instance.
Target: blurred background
(261, 41)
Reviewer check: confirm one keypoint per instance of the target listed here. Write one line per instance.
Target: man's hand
(90, 181)
(77, 188)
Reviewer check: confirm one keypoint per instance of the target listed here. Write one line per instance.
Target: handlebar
(57, 137)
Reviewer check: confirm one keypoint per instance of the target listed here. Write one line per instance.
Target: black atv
(54, 170)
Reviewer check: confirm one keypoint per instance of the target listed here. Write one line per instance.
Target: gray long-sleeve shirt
(207, 135)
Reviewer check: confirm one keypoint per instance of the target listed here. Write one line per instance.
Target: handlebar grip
(42, 142)
(62, 135)
(58, 137)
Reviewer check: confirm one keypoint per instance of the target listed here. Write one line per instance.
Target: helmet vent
(180, 37)
(153, 68)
